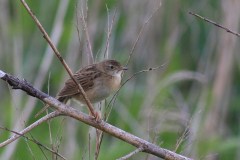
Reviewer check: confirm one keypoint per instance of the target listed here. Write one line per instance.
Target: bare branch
(89, 147)
(110, 32)
(216, 24)
(79, 37)
(84, 153)
(35, 141)
(89, 105)
(102, 125)
(132, 153)
(56, 138)
(49, 121)
(29, 128)
(30, 149)
(215, 154)
(185, 133)
(82, 17)
(50, 134)
(141, 32)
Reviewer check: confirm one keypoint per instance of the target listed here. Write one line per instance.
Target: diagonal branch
(132, 153)
(83, 19)
(141, 32)
(102, 125)
(110, 32)
(35, 141)
(216, 24)
(29, 128)
(89, 105)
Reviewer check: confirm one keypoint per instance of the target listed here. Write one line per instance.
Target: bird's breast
(109, 85)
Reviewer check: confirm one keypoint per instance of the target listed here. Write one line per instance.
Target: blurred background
(201, 77)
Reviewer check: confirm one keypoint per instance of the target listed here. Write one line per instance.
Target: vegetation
(201, 77)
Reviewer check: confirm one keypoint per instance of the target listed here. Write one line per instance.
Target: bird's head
(112, 67)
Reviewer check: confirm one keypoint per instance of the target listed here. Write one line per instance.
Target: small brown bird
(98, 80)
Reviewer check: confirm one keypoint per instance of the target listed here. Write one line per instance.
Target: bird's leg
(92, 115)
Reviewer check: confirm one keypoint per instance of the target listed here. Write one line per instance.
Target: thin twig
(185, 133)
(215, 154)
(79, 37)
(29, 128)
(56, 138)
(216, 24)
(86, 9)
(98, 134)
(155, 132)
(157, 128)
(35, 141)
(30, 149)
(150, 116)
(112, 106)
(89, 147)
(97, 143)
(110, 32)
(141, 32)
(82, 17)
(84, 152)
(58, 145)
(89, 105)
(18, 113)
(96, 56)
(107, 30)
(188, 145)
(38, 145)
(49, 121)
(132, 153)
(50, 134)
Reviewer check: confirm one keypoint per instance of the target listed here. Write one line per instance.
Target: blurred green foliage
(157, 103)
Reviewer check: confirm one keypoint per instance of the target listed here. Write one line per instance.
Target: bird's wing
(85, 77)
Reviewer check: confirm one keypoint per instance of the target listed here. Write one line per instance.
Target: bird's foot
(97, 117)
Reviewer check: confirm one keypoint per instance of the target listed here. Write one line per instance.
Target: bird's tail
(61, 99)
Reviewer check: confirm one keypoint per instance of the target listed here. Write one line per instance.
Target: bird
(98, 80)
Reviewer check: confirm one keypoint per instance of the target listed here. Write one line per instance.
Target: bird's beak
(124, 68)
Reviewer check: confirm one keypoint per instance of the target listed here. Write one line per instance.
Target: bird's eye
(111, 67)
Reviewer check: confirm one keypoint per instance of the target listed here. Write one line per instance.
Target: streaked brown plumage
(98, 80)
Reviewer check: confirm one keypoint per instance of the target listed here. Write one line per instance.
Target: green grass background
(202, 74)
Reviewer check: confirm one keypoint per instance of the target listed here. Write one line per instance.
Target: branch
(35, 141)
(216, 24)
(79, 37)
(186, 133)
(141, 32)
(89, 105)
(29, 128)
(132, 153)
(102, 125)
(82, 17)
(110, 32)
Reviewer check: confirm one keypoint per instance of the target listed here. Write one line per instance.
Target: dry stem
(35, 141)
(110, 32)
(132, 153)
(185, 133)
(89, 105)
(141, 33)
(82, 17)
(216, 24)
